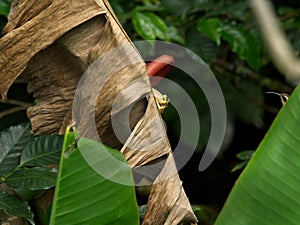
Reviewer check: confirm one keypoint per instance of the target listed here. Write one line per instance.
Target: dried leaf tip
(283, 96)
(3, 96)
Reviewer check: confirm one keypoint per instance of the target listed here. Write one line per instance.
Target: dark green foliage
(12, 143)
(25, 166)
(28, 169)
(15, 207)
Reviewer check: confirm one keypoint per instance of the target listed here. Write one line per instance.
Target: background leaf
(211, 27)
(200, 44)
(245, 155)
(268, 191)
(32, 179)
(83, 196)
(15, 207)
(42, 151)
(12, 142)
(244, 100)
(150, 26)
(244, 44)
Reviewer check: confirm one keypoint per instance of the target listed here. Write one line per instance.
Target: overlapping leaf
(83, 196)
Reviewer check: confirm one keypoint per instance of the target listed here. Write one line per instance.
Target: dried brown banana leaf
(55, 45)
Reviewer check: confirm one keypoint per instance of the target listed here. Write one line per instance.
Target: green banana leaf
(83, 196)
(268, 190)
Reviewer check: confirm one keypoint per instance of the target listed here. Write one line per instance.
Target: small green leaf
(15, 207)
(42, 151)
(244, 44)
(150, 26)
(211, 27)
(32, 179)
(239, 166)
(245, 155)
(12, 142)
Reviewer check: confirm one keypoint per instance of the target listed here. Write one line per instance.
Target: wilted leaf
(31, 37)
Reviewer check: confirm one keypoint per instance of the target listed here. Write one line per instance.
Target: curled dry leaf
(58, 46)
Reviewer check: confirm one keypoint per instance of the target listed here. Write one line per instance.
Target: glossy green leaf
(42, 151)
(268, 190)
(32, 178)
(150, 26)
(244, 44)
(211, 27)
(83, 196)
(12, 143)
(15, 207)
(143, 26)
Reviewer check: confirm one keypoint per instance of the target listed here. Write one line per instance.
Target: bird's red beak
(159, 68)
